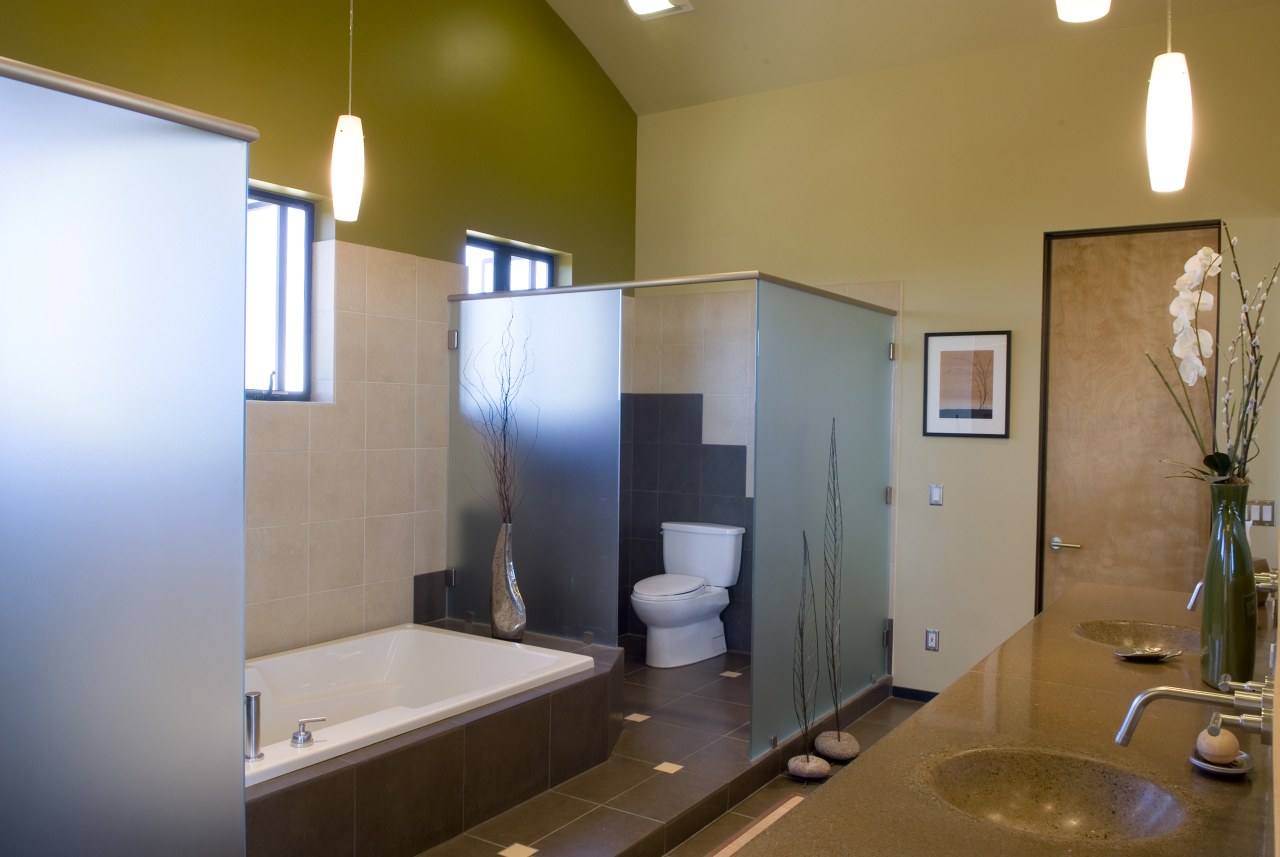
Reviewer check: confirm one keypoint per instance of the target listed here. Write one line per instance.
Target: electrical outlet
(931, 637)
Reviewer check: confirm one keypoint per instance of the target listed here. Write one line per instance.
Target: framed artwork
(966, 384)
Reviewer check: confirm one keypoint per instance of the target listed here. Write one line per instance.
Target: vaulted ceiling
(727, 48)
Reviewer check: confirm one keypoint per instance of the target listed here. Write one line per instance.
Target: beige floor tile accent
(668, 767)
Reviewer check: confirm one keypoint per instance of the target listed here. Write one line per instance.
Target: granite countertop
(1050, 689)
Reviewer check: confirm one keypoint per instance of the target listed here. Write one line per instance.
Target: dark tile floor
(678, 780)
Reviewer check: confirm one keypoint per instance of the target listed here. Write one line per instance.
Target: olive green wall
(478, 114)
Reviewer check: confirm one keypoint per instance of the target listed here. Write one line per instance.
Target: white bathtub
(374, 686)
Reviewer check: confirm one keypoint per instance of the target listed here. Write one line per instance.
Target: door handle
(1057, 544)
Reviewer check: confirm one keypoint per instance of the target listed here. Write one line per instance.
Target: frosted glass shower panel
(818, 359)
(565, 347)
(122, 247)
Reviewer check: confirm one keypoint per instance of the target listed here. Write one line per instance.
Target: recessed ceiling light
(658, 8)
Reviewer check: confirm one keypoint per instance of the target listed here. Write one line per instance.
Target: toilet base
(678, 647)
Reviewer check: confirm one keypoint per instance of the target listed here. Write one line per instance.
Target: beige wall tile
(726, 367)
(275, 563)
(388, 548)
(432, 485)
(430, 543)
(275, 626)
(728, 419)
(628, 321)
(339, 424)
(335, 614)
(349, 277)
(392, 283)
(682, 369)
(682, 319)
(390, 416)
(648, 323)
(436, 281)
(388, 603)
(433, 353)
(336, 555)
(275, 488)
(275, 426)
(391, 349)
(432, 415)
(646, 369)
(349, 346)
(730, 317)
(389, 481)
(337, 484)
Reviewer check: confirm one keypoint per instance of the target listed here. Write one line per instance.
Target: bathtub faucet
(302, 737)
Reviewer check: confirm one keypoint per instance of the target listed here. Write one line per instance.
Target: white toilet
(682, 608)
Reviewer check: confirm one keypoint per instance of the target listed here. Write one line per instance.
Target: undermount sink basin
(1056, 795)
(1122, 633)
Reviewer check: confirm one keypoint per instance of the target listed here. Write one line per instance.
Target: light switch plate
(932, 637)
(935, 493)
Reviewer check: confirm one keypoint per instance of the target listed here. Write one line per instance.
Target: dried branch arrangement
(494, 409)
(804, 678)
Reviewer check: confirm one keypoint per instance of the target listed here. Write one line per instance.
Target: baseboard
(912, 694)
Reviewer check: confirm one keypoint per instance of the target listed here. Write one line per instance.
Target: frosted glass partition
(818, 358)
(565, 532)
(122, 454)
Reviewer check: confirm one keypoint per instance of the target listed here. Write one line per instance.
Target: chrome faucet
(1251, 700)
(302, 738)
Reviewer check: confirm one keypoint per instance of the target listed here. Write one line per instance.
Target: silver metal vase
(505, 604)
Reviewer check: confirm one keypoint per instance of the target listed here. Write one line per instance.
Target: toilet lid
(669, 586)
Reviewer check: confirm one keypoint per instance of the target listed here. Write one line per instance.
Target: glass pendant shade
(346, 170)
(1169, 122)
(1079, 11)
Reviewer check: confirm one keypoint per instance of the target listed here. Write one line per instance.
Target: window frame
(502, 253)
(308, 209)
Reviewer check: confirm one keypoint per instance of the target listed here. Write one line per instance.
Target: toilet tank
(710, 551)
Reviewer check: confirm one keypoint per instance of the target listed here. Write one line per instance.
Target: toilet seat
(669, 587)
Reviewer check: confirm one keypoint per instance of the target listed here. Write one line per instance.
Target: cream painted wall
(946, 176)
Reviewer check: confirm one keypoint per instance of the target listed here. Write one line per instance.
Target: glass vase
(1229, 624)
(506, 607)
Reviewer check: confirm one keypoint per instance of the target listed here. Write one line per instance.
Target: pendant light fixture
(346, 170)
(1079, 11)
(1169, 118)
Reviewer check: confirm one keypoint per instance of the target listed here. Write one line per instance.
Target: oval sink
(1122, 633)
(1056, 795)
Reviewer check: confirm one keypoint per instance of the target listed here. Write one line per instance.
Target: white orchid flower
(1191, 301)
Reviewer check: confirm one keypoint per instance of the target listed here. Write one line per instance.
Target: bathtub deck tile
(579, 735)
(532, 820)
(411, 798)
(313, 816)
(462, 846)
(654, 741)
(605, 782)
(605, 831)
(507, 758)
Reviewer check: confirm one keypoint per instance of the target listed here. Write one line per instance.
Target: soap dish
(1148, 654)
(1237, 768)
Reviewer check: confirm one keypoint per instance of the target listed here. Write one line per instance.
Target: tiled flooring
(678, 780)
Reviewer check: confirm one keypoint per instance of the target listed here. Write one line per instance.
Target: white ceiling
(727, 48)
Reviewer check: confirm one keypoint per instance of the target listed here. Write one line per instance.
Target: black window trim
(502, 253)
(308, 209)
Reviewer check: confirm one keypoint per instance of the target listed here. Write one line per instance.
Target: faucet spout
(1140, 702)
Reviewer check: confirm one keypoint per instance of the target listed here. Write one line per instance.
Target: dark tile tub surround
(429, 597)
(669, 474)
(401, 796)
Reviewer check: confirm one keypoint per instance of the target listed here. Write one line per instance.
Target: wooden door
(1107, 419)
